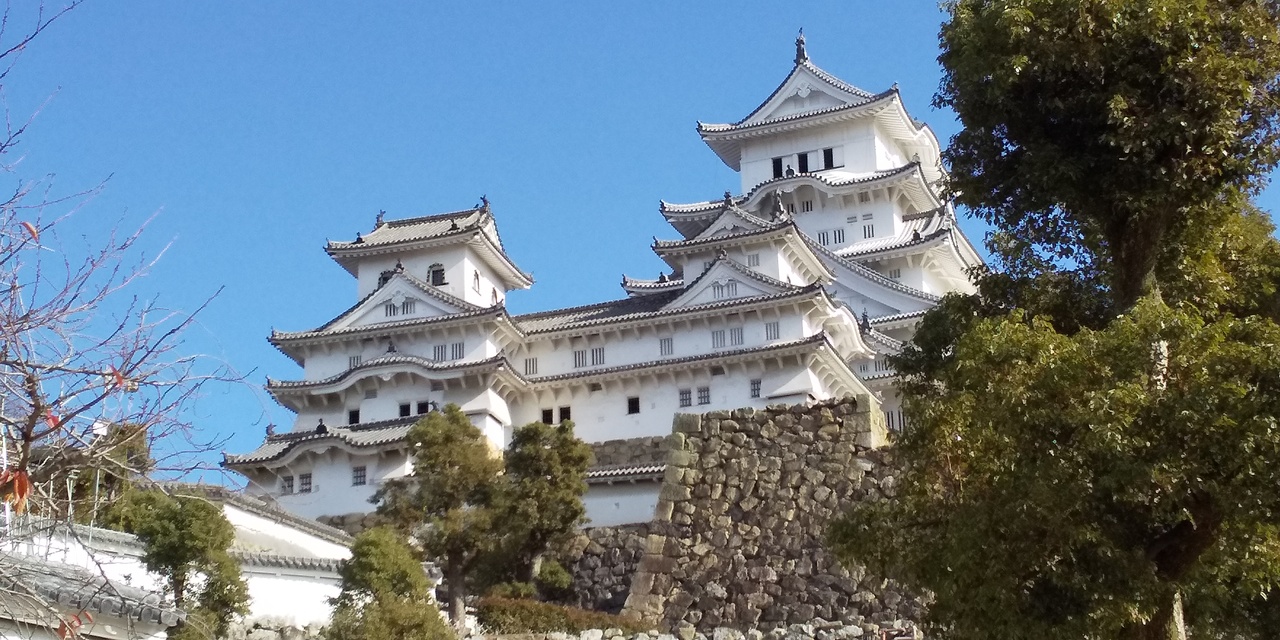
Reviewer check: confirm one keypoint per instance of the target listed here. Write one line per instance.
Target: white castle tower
(792, 291)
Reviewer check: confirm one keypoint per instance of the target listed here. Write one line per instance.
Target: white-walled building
(792, 291)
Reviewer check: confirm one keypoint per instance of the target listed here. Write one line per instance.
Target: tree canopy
(385, 593)
(1093, 449)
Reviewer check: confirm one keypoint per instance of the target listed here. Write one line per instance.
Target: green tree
(447, 501)
(385, 593)
(1094, 437)
(541, 500)
(185, 540)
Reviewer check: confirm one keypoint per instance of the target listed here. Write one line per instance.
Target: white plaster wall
(853, 142)
(252, 522)
(334, 358)
(332, 492)
(418, 264)
(622, 503)
(294, 597)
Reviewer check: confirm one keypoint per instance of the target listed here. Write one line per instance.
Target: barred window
(408, 306)
(359, 476)
(458, 350)
(666, 346)
(286, 485)
(391, 309)
(440, 352)
(686, 398)
(704, 395)
(735, 335)
(353, 362)
(304, 483)
(771, 331)
(753, 259)
(597, 355)
(580, 358)
(755, 388)
(717, 338)
(530, 366)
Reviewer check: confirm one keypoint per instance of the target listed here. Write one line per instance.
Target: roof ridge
(713, 128)
(430, 218)
(387, 359)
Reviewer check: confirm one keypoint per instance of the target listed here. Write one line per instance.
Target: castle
(791, 291)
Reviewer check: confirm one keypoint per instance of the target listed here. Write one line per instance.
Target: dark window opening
(404, 410)
(353, 416)
(828, 158)
(564, 414)
(423, 407)
(547, 416)
(359, 476)
(286, 485)
(777, 167)
(802, 161)
(304, 483)
(633, 405)
(437, 275)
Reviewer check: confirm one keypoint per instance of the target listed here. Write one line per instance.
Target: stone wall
(352, 523)
(269, 629)
(602, 561)
(631, 451)
(747, 496)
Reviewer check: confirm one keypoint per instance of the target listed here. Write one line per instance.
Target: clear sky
(260, 129)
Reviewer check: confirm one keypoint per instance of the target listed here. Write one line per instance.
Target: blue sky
(257, 130)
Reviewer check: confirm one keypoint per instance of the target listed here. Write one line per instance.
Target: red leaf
(32, 231)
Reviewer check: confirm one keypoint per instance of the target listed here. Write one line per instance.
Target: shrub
(507, 615)
(513, 591)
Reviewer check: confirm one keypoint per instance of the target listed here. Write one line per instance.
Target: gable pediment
(726, 280)
(802, 92)
(729, 222)
(399, 299)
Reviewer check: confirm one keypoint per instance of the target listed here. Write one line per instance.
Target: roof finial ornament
(391, 347)
(722, 253)
(864, 325)
(484, 202)
(728, 199)
(776, 208)
(802, 56)
(271, 429)
(359, 238)
(399, 267)
(377, 222)
(453, 224)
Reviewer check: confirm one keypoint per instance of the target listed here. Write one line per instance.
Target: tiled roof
(426, 363)
(382, 327)
(880, 338)
(634, 308)
(77, 588)
(839, 179)
(646, 287)
(898, 316)
(816, 339)
(697, 207)
(712, 129)
(750, 274)
(916, 229)
(262, 508)
(604, 475)
(815, 70)
(868, 273)
(369, 434)
(659, 245)
(287, 562)
(414, 229)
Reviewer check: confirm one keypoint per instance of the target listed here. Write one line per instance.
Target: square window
(353, 362)
(837, 236)
(753, 259)
(633, 405)
(530, 366)
(771, 331)
(353, 416)
(580, 358)
(597, 356)
(458, 349)
(895, 274)
(408, 306)
(440, 352)
(704, 395)
(391, 309)
(304, 483)
(686, 398)
(806, 206)
(564, 414)
(735, 335)
(548, 416)
(824, 238)
(404, 410)
(286, 485)
(864, 197)
(423, 407)
(755, 388)
(666, 346)
(359, 476)
(868, 231)
(717, 339)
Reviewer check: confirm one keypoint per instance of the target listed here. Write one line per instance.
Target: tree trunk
(455, 578)
(1166, 624)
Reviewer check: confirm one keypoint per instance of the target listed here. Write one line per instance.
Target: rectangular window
(633, 405)
(717, 339)
(391, 309)
(597, 356)
(864, 197)
(731, 288)
(802, 162)
(753, 259)
(771, 330)
(458, 349)
(666, 346)
(863, 368)
(806, 206)
(353, 416)
(866, 216)
(580, 358)
(791, 208)
(824, 238)
(304, 483)
(837, 236)
(704, 395)
(359, 476)
(286, 485)
(423, 407)
(564, 414)
(404, 410)
(548, 416)
(735, 336)
(868, 231)
(440, 352)
(686, 398)
(777, 167)
(828, 158)
(755, 388)
(437, 275)
(408, 306)
(717, 290)
(530, 366)
(895, 274)
(353, 362)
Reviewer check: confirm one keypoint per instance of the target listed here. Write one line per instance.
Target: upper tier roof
(475, 226)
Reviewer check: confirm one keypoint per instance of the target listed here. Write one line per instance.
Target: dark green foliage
(185, 540)
(503, 615)
(554, 581)
(1094, 436)
(385, 593)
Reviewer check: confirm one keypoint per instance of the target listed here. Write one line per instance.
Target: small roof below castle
(363, 435)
